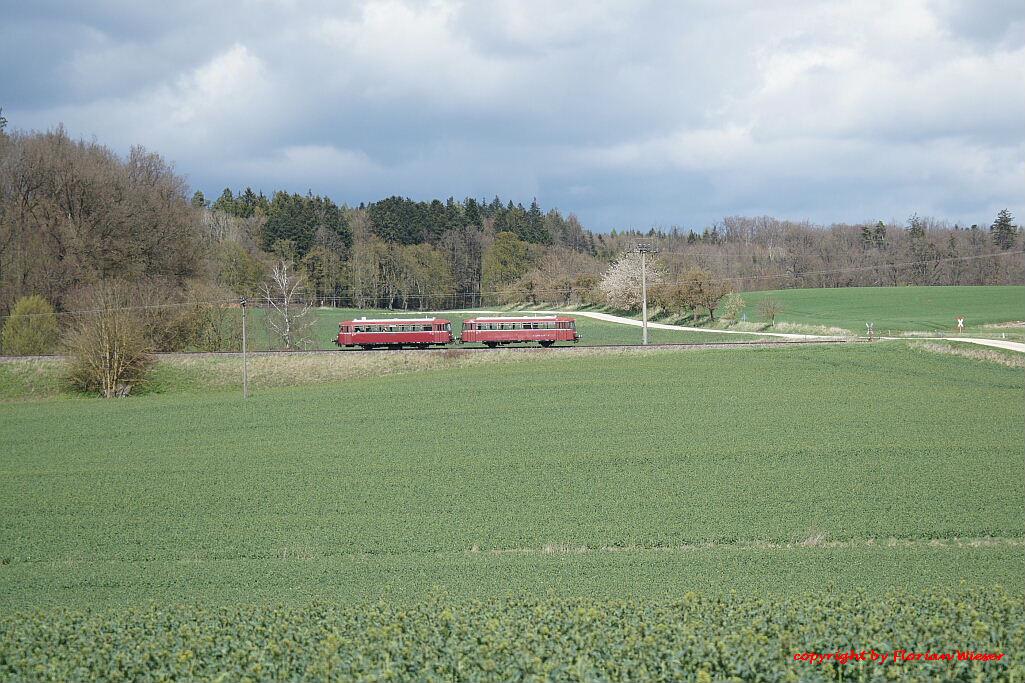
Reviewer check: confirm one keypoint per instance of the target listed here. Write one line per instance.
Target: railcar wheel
(547, 343)
(490, 344)
(366, 347)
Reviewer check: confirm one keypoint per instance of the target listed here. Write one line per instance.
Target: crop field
(898, 309)
(523, 639)
(592, 332)
(466, 479)
(716, 493)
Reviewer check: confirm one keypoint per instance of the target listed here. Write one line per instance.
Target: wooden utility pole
(245, 359)
(644, 248)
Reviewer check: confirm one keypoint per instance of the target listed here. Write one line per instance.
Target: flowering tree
(620, 286)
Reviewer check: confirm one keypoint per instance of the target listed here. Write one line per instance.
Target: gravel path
(995, 343)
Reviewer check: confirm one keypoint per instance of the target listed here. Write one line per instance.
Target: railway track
(515, 349)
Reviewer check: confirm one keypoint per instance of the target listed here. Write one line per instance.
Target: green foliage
(30, 329)
(324, 271)
(505, 261)
(732, 305)
(210, 323)
(297, 219)
(1004, 231)
(915, 227)
(246, 205)
(238, 270)
(402, 220)
(692, 637)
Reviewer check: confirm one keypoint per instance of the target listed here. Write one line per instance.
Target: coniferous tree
(915, 227)
(471, 212)
(1003, 230)
(880, 234)
(225, 203)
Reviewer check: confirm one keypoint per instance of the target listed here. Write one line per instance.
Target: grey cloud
(629, 114)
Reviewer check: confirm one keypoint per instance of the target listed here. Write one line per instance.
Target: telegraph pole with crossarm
(644, 248)
(245, 364)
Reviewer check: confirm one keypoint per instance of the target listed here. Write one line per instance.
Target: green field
(463, 479)
(592, 332)
(897, 309)
(780, 477)
(526, 639)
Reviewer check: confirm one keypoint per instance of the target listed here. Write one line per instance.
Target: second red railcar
(546, 330)
(394, 333)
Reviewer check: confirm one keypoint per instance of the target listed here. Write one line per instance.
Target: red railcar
(545, 330)
(394, 333)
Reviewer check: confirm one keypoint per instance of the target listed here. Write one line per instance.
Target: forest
(74, 213)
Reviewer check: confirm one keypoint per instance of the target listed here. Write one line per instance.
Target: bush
(732, 306)
(108, 350)
(198, 318)
(769, 309)
(31, 329)
(211, 324)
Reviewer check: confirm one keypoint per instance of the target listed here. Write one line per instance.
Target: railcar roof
(520, 318)
(396, 321)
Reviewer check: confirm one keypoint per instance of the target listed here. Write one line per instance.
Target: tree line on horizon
(73, 213)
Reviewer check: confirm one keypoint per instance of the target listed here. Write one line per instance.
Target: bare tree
(289, 316)
(769, 308)
(107, 347)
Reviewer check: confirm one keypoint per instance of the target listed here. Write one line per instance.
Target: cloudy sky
(630, 114)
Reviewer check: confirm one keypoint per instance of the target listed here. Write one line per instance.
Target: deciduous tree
(107, 348)
(289, 316)
(620, 286)
(769, 308)
(31, 328)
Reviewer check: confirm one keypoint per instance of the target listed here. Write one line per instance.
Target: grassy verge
(1011, 359)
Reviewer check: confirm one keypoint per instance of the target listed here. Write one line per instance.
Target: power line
(89, 311)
